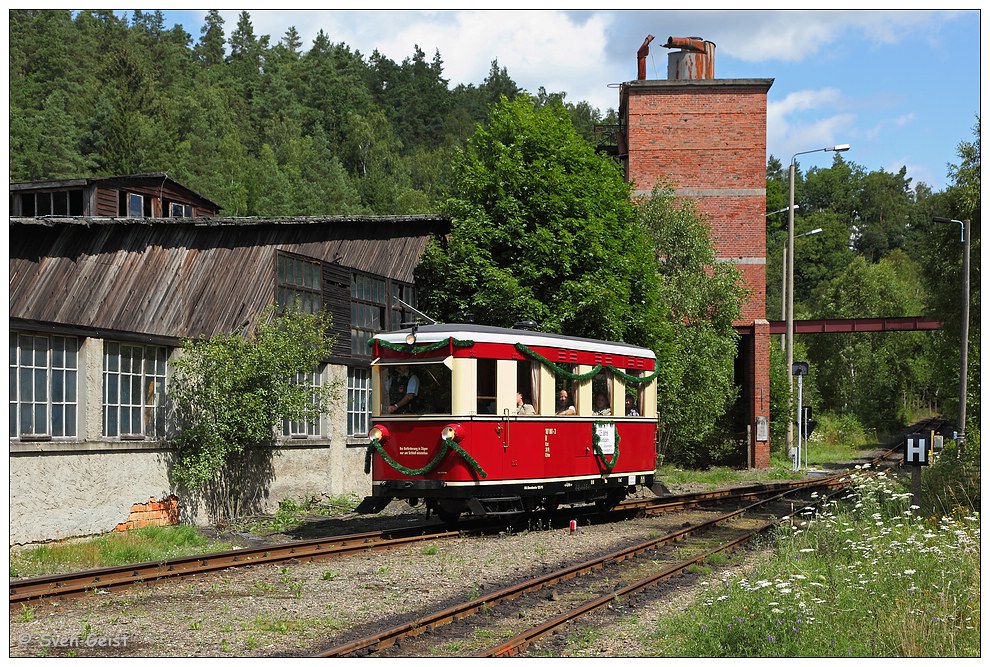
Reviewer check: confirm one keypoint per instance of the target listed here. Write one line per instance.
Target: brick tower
(707, 137)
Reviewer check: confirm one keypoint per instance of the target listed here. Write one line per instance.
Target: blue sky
(902, 87)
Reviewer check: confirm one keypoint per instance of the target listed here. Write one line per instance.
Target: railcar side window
(601, 389)
(486, 386)
(566, 391)
(528, 383)
(428, 384)
(634, 395)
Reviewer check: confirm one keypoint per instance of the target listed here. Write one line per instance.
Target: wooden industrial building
(101, 298)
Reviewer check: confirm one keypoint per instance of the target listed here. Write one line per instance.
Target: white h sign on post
(916, 450)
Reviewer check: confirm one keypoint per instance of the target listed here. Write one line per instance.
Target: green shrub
(952, 483)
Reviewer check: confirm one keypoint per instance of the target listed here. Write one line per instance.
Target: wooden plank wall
(178, 280)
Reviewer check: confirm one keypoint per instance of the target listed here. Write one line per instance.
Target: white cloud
(538, 48)
(795, 35)
(805, 120)
(900, 121)
(803, 100)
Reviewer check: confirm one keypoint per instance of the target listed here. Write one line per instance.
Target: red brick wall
(709, 140)
(164, 512)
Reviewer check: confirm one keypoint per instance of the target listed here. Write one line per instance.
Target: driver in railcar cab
(404, 388)
(564, 404)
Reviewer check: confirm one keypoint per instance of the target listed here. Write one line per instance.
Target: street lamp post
(789, 340)
(783, 286)
(964, 343)
(783, 270)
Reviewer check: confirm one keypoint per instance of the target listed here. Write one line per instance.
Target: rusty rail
(390, 636)
(79, 583)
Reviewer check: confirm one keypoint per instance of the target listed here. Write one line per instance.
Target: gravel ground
(297, 609)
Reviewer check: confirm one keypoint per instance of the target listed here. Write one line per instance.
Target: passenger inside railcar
(635, 396)
(565, 406)
(601, 385)
(631, 410)
(523, 407)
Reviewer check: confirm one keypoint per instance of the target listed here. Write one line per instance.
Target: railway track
(80, 583)
(52, 587)
(598, 593)
(396, 640)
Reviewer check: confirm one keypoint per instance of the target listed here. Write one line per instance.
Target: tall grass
(134, 546)
(866, 578)
(953, 480)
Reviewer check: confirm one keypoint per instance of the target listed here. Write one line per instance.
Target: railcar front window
(415, 389)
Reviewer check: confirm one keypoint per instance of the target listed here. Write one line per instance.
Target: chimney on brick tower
(694, 60)
(644, 51)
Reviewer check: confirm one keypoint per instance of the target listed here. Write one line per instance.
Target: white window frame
(132, 198)
(121, 408)
(358, 401)
(56, 374)
(305, 428)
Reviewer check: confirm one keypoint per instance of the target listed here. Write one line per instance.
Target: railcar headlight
(379, 433)
(452, 432)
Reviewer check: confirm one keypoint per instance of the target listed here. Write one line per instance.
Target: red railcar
(469, 419)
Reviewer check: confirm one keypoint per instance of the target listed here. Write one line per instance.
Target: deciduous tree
(543, 229)
(704, 298)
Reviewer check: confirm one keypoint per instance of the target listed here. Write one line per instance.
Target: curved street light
(964, 343)
(789, 336)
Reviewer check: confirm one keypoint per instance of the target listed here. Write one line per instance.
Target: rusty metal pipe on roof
(696, 44)
(644, 51)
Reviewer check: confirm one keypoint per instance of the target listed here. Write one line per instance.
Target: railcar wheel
(448, 511)
(449, 517)
(609, 502)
